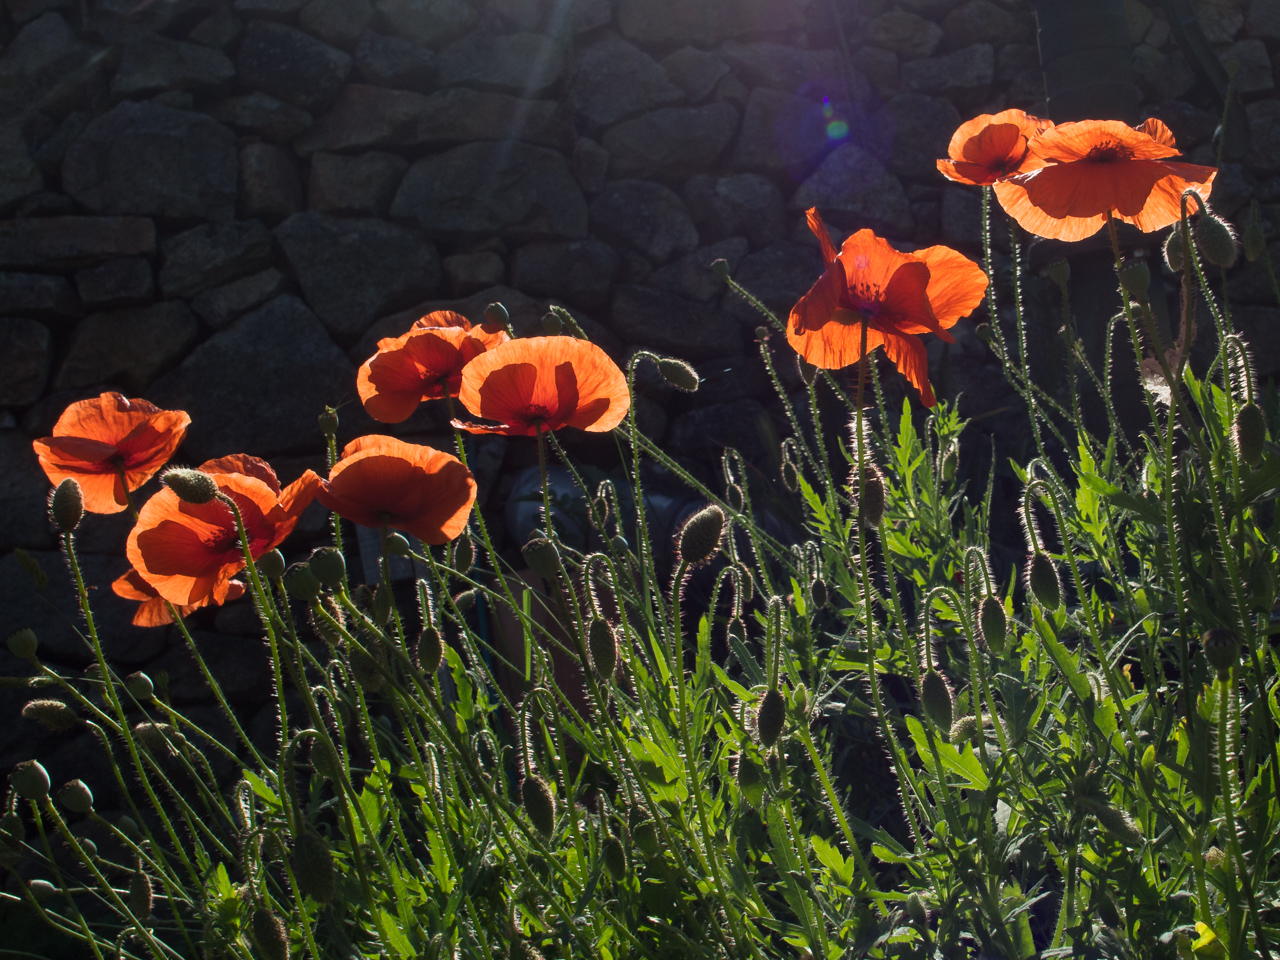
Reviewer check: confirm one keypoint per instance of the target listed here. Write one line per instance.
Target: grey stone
(37, 295)
(241, 665)
(218, 29)
(961, 215)
(24, 361)
(580, 272)
(1220, 20)
(150, 160)
(46, 203)
(20, 177)
(59, 243)
(590, 165)
(1251, 282)
(270, 187)
(691, 277)
(514, 190)
(585, 15)
(466, 273)
(263, 116)
(152, 64)
(906, 34)
(339, 22)
(694, 71)
(525, 14)
(45, 50)
(880, 68)
(395, 62)
(50, 151)
(611, 80)
(980, 21)
(363, 184)
(745, 204)
(294, 66)
(645, 216)
(131, 346)
(813, 73)
(648, 317)
(353, 271)
(429, 22)
(519, 63)
(268, 9)
(1018, 68)
(1262, 19)
(127, 280)
(672, 143)
(366, 116)
(788, 134)
(24, 522)
(1264, 127)
(1162, 75)
(965, 74)
(706, 21)
(923, 127)
(1253, 73)
(777, 276)
(1258, 324)
(211, 254)
(853, 189)
(1233, 188)
(705, 433)
(219, 306)
(20, 11)
(278, 358)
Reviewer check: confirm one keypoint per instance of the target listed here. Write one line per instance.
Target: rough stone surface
(691, 276)
(59, 243)
(1264, 129)
(590, 165)
(268, 9)
(980, 21)
(221, 305)
(37, 295)
(153, 161)
(152, 64)
(24, 512)
(394, 62)
(429, 22)
(353, 271)
(778, 276)
(922, 130)
(645, 216)
(211, 254)
(24, 361)
(745, 204)
(292, 65)
(1162, 74)
(611, 80)
(277, 358)
(339, 22)
(117, 282)
(789, 134)
(362, 185)
(706, 21)
(705, 433)
(815, 73)
(670, 144)
(20, 176)
(660, 320)
(694, 71)
(580, 272)
(218, 29)
(520, 63)
(965, 74)
(129, 347)
(513, 189)
(263, 116)
(1262, 18)
(270, 187)
(906, 34)
(365, 116)
(1254, 73)
(466, 273)
(241, 665)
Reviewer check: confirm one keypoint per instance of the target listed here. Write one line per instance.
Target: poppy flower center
(1108, 151)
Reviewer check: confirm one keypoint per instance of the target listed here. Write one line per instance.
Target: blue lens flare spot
(837, 130)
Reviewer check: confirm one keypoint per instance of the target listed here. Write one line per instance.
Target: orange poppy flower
(1098, 167)
(424, 364)
(382, 480)
(896, 295)
(992, 146)
(544, 383)
(189, 552)
(110, 445)
(152, 610)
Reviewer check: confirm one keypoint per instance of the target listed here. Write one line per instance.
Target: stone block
(694, 71)
(429, 22)
(363, 185)
(673, 143)
(742, 205)
(611, 80)
(60, 243)
(467, 273)
(291, 65)
(645, 216)
(263, 116)
(579, 272)
(127, 280)
(394, 62)
(219, 306)
(526, 64)
(645, 316)
(37, 295)
(152, 64)
(211, 254)
(25, 355)
(128, 347)
(339, 22)
(270, 188)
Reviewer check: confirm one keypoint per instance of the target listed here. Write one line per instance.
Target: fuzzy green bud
(397, 545)
(800, 700)
(1042, 581)
(53, 714)
(464, 555)
(302, 583)
(328, 421)
(679, 374)
(313, 866)
(983, 332)
(129, 827)
(191, 486)
(496, 313)
(465, 601)
(1135, 278)
(1116, 822)
(936, 700)
(915, 906)
(818, 590)
(790, 476)
(1255, 238)
(23, 643)
(159, 738)
(270, 935)
(1175, 254)
(603, 647)
(328, 565)
(720, 268)
(751, 780)
(1216, 241)
(271, 565)
(325, 760)
(76, 796)
(699, 538)
(1250, 433)
(539, 804)
(30, 780)
(542, 557)
(619, 543)
(964, 730)
(380, 608)
(42, 890)
(552, 325)
(771, 717)
(1221, 650)
(139, 686)
(367, 665)
(66, 506)
(645, 835)
(993, 623)
(614, 855)
(141, 896)
(1059, 272)
(430, 650)
(871, 503)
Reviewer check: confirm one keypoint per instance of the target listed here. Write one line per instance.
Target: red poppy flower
(417, 489)
(153, 610)
(544, 383)
(896, 295)
(188, 552)
(424, 364)
(992, 146)
(1098, 167)
(110, 445)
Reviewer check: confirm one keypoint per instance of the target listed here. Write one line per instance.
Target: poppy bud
(1216, 240)
(380, 609)
(1042, 580)
(66, 506)
(157, 737)
(328, 566)
(762, 333)
(699, 538)
(800, 700)
(645, 835)
(818, 590)
(720, 267)
(271, 565)
(770, 717)
(139, 686)
(1116, 822)
(465, 600)
(552, 325)
(328, 421)
(542, 557)
(790, 476)
(141, 895)
(1135, 278)
(76, 796)
(603, 646)
(53, 714)
(871, 504)
(191, 486)
(808, 372)
(993, 623)
(614, 855)
(751, 780)
(619, 543)
(949, 462)
(397, 545)
(964, 729)
(1215, 858)
(367, 665)
(1175, 254)
(325, 759)
(464, 555)
(935, 699)
(1255, 238)
(41, 890)
(313, 866)
(30, 780)
(301, 583)
(1250, 433)
(1059, 272)
(129, 827)
(736, 630)
(496, 313)
(430, 650)
(23, 643)
(915, 906)
(1221, 650)
(983, 332)
(270, 935)
(734, 496)
(679, 374)
(539, 804)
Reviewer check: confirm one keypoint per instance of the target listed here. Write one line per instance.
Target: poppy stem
(128, 497)
(546, 493)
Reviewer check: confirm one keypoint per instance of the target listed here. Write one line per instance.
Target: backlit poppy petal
(912, 360)
(1087, 139)
(836, 344)
(992, 146)
(1012, 196)
(956, 284)
(442, 318)
(245, 465)
(1164, 204)
(815, 308)
(904, 306)
(424, 364)
(819, 230)
(298, 495)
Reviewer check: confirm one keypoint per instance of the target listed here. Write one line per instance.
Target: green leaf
(965, 764)
(259, 787)
(833, 860)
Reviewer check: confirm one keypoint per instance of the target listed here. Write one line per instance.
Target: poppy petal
(912, 360)
(819, 230)
(442, 318)
(1164, 204)
(904, 306)
(244, 465)
(956, 284)
(1013, 197)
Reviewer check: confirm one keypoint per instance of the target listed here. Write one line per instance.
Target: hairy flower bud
(465, 600)
(270, 935)
(771, 717)
(367, 665)
(139, 686)
(1042, 581)
(699, 538)
(871, 502)
(1216, 241)
(542, 557)
(66, 506)
(430, 650)
(993, 623)
(751, 780)
(464, 555)
(1250, 433)
(325, 760)
(23, 643)
(539, 804)
(720, 267)
(271, 565)
(191, 486)
(1116, 822)
(1135, 278)
(645, 835)
(936, 700)
(76, 796)
(818, 590)
(397, 545)
(1221, 650)
(800, 700)
(964, 729)
(328, 421)
(1175, 254)
(380, 608)
(603, 646)
(30, 780)
(141, 895)
(552, 325)
(1255, 238)
(983, 332)
(301, 583)
(42, 890)
(915, 906)
(614, 855)
(497, 313)
(328, 565)
(159, 738)
(313, 866)
(53, 714)
(679, 374)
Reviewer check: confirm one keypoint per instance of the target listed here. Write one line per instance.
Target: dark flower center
(1108, 151)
